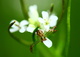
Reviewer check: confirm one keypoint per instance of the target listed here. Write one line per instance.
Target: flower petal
(47, 42)
(15, 22)
(47, 27)
(30, 28)
(23, 22)
(14, 25)
(31, 21)
(41, 20)
(22, 29)
(33, 14)
(45, 15)
(53, 20)
(13, 30)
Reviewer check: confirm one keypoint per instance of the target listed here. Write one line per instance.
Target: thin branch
(33, 46)
(61, 42)
(25, 13)
(62, 13)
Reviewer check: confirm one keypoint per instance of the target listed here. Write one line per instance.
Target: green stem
(62, 37)
(35, 50)
(61, 41)
(25, 13)
(68, 26)
(33, 35)
(26, 43)
(61, 15)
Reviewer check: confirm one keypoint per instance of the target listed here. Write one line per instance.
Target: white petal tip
(23, 22)
(30, 29)
(48, 43)
(13, 30)
(53, 17)
(33, 7)
(45, 15)
(22, 30)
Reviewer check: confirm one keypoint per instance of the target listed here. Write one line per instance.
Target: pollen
(46, 23)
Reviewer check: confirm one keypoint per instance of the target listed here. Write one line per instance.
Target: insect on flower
(41, 34)
(44, 39)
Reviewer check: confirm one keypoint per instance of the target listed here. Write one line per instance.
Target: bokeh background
(11, 9)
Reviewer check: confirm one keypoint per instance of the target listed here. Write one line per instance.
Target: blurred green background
(11, 9)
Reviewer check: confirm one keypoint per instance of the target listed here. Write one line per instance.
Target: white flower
(48, 21)
(33, 18)
(18, 26)
(33, 13)
(47, 42)
(44, 23)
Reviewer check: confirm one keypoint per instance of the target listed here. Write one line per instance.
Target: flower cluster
(44, 23)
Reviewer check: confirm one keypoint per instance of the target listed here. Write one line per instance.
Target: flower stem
(62, 30)
(68, 26)
(25, 13)
(61, 15)
(35, 50)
